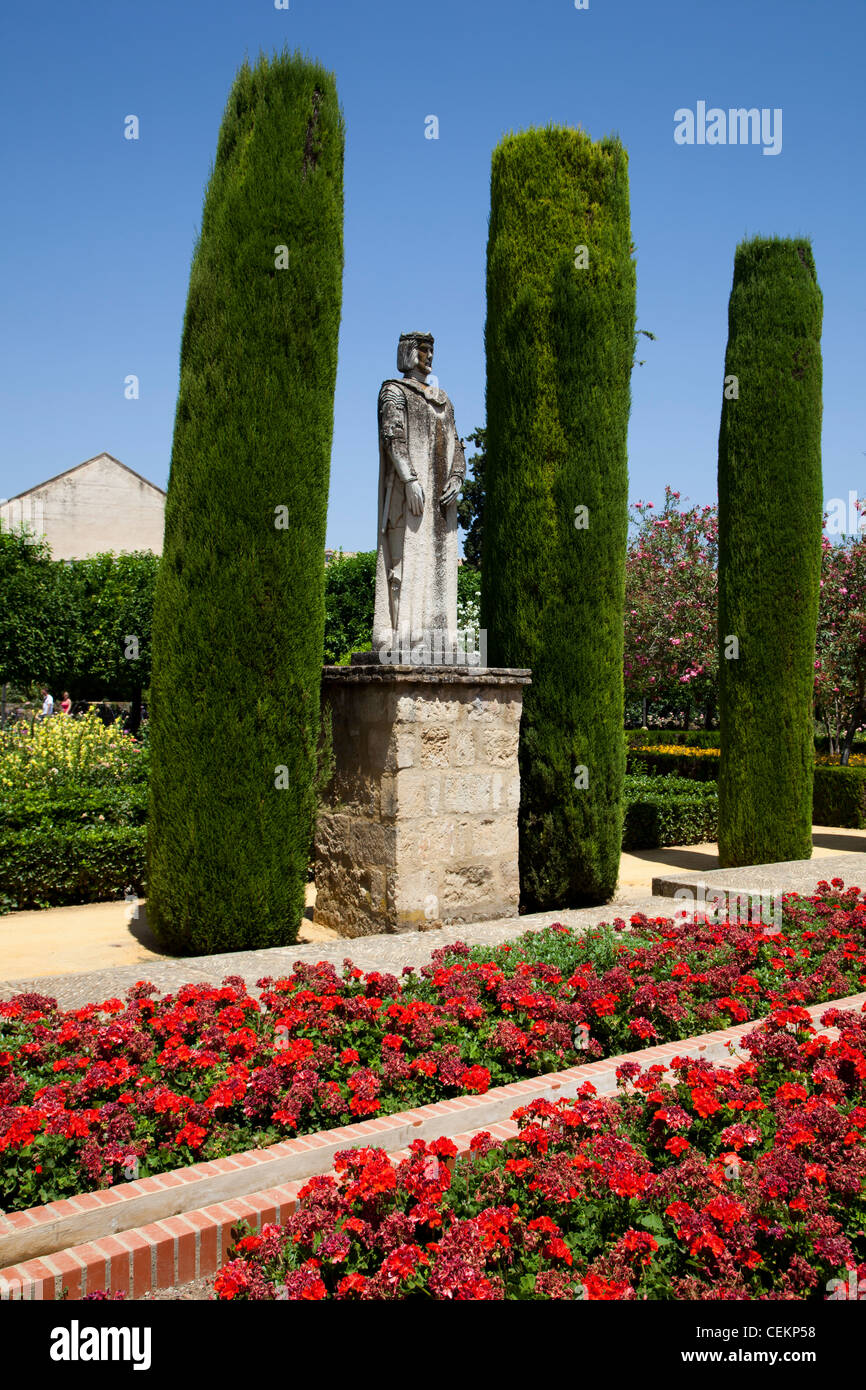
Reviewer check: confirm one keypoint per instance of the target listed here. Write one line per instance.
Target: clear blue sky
(98, 231)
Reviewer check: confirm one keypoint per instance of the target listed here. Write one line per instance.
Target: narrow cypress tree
(770, 519)
(560, 342)
(239, 609)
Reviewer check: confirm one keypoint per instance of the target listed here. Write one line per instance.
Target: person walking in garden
(65, 703)
(47, 704)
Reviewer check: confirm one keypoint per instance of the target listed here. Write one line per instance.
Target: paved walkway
(790, 876)
(81, 954)
(386, 952)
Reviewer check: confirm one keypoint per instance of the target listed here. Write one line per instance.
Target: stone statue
(421, 470)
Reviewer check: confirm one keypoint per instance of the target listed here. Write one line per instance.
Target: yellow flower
(680, 748)
(64, 748)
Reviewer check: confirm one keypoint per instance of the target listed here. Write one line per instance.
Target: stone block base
(419, 826)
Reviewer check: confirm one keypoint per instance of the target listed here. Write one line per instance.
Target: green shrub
(689, 738)
(26, 581)
(839, 797)
(770, 521)
(71, 807)
(97, 604)
(705, 738)
(560, 345)
(238, 625)
(468, 598)
(684, 764)
(350, 590)
(64, 752)
(669, 811)
(48, 866)
(822, 743)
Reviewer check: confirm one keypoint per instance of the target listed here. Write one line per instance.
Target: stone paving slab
(391, 952)
(789, 876)
(388, 953)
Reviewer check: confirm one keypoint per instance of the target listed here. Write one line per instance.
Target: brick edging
(189, 1240)
(170, 1252)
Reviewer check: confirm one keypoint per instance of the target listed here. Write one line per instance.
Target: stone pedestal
(419, 826)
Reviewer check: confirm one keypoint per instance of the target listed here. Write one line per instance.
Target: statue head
(415, 353)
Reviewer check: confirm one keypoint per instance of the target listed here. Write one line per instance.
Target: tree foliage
(350, 590)
(671, 590)
(26, 578)
(770, 518)
(77, 625)
(238, 625)
(102, 615)
(840, 649)
(560, 343)
(470, 507)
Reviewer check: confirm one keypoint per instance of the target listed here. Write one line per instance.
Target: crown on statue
(417, 338)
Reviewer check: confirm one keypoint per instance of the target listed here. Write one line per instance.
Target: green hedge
(669, 811)
(689, 738)
(839, 797)
(50, 866)
(69, 807)
(683, 764)
(704, 738)
(822, 743)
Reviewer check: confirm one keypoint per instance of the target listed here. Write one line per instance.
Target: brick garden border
(165, 1230)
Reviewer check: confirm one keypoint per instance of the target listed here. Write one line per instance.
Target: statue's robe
(418, 552)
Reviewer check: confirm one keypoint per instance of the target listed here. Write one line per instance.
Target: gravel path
(197, 1289)
(388, 952)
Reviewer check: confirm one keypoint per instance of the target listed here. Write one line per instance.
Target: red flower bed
(91, 1096)
(728, 1183)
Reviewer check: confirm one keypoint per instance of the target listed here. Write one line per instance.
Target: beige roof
(67, 471)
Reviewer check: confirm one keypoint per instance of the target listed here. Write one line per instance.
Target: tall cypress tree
(239, 609)
(560, 343)
(770, 520)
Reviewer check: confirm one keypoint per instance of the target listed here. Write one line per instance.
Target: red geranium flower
(352, 1284)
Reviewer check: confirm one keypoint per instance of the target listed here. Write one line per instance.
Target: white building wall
(100, 505)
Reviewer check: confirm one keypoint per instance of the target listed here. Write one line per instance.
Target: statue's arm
(457, 473)
(393, 427)
(458, 467)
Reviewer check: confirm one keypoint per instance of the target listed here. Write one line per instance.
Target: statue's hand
(415, 497)
(450, 491)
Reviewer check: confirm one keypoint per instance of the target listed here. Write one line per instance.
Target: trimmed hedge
(56, 851)
(839, 797)
(705, 738)
(689, 738)
(48, 866)
(125, 805)
(839, 793)
(669, 811)
(684, 764)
